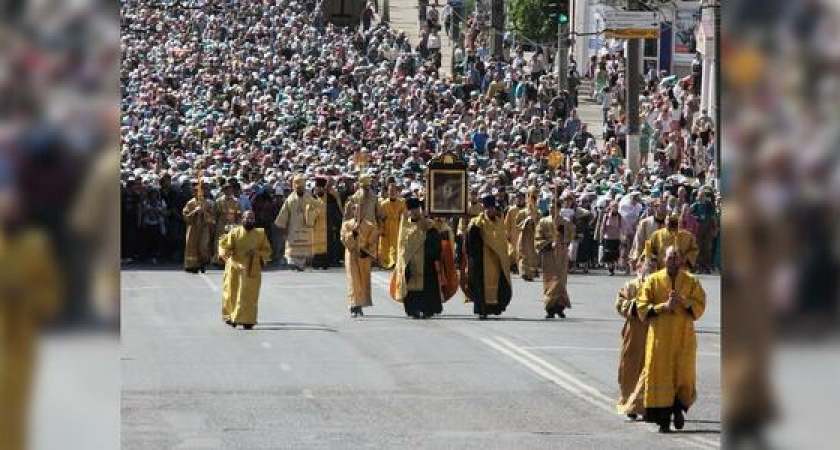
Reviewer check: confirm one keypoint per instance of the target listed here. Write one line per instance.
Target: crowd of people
(243, 99)
(255, 132)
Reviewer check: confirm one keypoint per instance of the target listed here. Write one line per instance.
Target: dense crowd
(244, 96)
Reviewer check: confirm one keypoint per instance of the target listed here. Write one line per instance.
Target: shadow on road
(474, 318)
(292, 326)
(707, 331)
(696, 431)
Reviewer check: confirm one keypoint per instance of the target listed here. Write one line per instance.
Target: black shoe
(482, 317)
(527, 278)
(561, 314)
(679, 418)
(665, 428)
(202, 269)
(612, 272)
(549, 315)
(426, 315)
(229, 323)
(632, 416)
(361, 312)
(249, 326)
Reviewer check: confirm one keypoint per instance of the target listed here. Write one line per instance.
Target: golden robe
(246, 252)
(30, 290)
(421, 271)
(632, 358)
(553, 250)
(512, 231)
(473, 210)
(297, 217)
(200, 222)
(527, 224)
(488, 266)
(669, 373)
(371, 208)
(228, 211)
(664, 238)
(359, 253)
(393, 210)
(319, 226)
(644, 231)
(746, 355)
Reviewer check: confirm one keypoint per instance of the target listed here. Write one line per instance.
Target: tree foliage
(529, 18)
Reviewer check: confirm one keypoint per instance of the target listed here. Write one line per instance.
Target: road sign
(633, 33)
(619, 20)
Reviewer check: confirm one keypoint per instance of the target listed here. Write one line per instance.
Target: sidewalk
(590, 113)
(404, 17)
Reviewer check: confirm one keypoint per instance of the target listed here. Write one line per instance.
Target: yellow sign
(633, 33)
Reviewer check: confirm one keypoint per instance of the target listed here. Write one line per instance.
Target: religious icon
(446, 186)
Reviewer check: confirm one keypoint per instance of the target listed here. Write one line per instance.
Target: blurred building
(673, 52)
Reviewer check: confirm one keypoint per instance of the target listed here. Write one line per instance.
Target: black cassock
(335, 215)
(475, 249)
(428, 301)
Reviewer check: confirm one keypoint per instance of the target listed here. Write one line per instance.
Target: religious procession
(319, 177)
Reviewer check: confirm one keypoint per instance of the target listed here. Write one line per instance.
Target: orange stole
(449, 284)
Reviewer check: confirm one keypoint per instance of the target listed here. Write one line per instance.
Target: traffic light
(559, 10)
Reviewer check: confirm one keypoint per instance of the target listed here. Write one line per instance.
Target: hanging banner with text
(631, 25)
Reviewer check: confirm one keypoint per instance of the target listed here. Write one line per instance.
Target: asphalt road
(309, 376)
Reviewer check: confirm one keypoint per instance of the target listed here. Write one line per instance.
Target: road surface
(309, 376)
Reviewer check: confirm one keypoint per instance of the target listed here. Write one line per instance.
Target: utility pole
(386, 11)
(561, 60)
(717, 106)
(497, 22)
(633, 82)
(455, 29)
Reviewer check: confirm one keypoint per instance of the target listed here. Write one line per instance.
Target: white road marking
(285, 367)
(565, 375)
(599, 349)
(575, 386)
(266, 345)
(209, 283)
(545, 374)
(296, 286)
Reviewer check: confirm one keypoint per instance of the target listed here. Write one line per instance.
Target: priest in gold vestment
(527, 224)
(393, 208)
(297, 219)
(670, 301)
(245, 250)
(553, 236)
(419, 268)
(360, 245)
(228, 212)
(488, 262)
(633, 342)
(30, 294)
(669, 236)
(198, 214)
(511, 225)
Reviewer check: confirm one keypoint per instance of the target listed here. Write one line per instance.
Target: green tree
(529, 18)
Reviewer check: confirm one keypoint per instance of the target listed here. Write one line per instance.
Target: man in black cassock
(419, 264)
(335, 215)
(488, 262)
